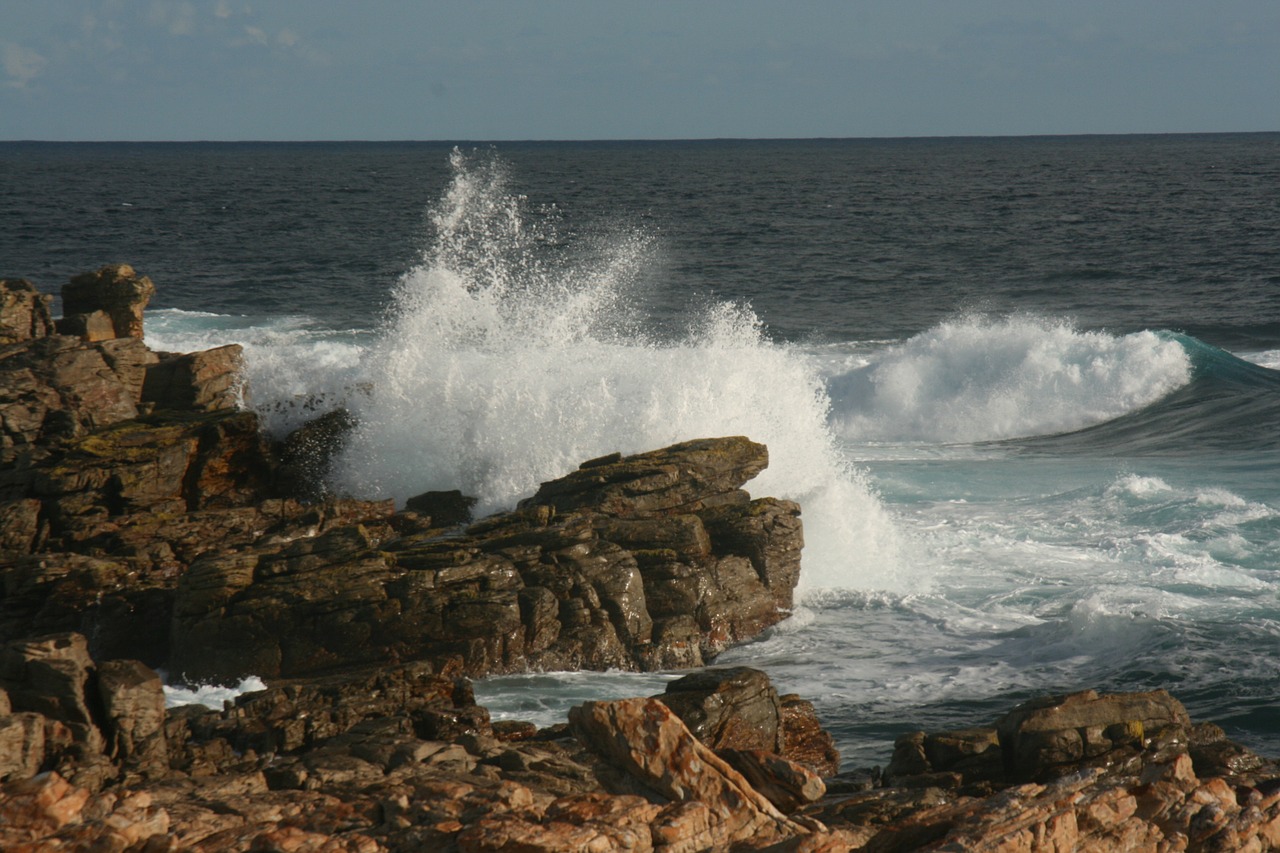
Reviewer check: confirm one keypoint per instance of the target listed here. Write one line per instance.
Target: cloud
(257, 35)
(21, 65)
(178, 18)
(222, 9)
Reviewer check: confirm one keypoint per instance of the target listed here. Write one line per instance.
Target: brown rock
(659, 756)
(24, 312)
(205, 381)
(728, 708)
(133, 701)
(684, 477)
(786, 784)
(1041, 737)
(106, 303)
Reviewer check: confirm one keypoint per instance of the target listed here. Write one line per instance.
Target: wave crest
(983, 379)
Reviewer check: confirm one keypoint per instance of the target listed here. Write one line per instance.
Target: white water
(505, 365)
(983, 379)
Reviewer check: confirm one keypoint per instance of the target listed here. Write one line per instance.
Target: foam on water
(984, 378)
(210, 695)
(506, 363)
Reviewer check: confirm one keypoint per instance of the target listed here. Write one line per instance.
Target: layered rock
(556, 586)
(134, 492)
(105, 304)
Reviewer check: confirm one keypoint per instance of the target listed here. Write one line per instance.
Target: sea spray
(987, 378)
(507, 361)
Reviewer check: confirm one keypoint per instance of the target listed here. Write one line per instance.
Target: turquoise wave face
(1229, 405)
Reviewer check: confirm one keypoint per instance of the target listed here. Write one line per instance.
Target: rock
(684, 477)
(134, 714)
(784, 783)
(105, 304)
(446, 509)
(57, 388)
(657, 755)
(24, 312)
(533, 588)
(306, 453)
(206, 381)
(728, 708)
(1041, 737)
(804, 740)
(22, 746)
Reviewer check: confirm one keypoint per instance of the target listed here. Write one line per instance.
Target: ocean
(1026, 390)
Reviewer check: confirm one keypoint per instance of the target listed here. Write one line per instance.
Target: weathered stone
(24, 312)
(644, 740)
(22, 746)
(804, 740)
(133, 702)
(730, 708)
(446, 509)
(684, 477)
(786, 784)
(204, 381)
(1041, 736)
(116, 291)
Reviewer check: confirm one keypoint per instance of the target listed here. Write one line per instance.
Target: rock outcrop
(566, 585)
(144, 509)
(400, 758)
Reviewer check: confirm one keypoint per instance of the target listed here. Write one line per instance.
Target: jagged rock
(206, 381)
(105, 304)
(737, 708)
(24, 312)
(306, 453)
(133, 705)
(683, 478)
(728, 708)
(1040, 737)
(57, 388)
(445, 509)
(784, 783)
(535, 587)
(656, 755)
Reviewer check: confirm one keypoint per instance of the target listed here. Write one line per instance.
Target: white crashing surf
(210, 695)
(506, 362)
(985, 379)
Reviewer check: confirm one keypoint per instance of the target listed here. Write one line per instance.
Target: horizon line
(598, 140)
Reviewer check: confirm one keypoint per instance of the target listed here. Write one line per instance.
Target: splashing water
(982, 379)
(508, 360)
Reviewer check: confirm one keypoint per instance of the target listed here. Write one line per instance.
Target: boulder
(684, 477)
(737, 708)
(657, 756)
(205, 381)
(1039, 738)
(133, 716)
(105, 304)
(24, 312)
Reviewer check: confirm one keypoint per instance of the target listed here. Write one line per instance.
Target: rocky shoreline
(146, 522)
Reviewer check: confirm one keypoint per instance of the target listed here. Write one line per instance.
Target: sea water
(1025, 390)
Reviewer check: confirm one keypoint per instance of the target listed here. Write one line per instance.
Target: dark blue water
(1025, 389)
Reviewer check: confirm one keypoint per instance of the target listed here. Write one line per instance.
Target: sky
(642, 69)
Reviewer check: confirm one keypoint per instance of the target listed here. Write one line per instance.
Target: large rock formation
(581, 581)
(142, 507)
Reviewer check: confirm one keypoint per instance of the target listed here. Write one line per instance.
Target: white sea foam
(984, 378)
(210, 695)
(506, 364)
